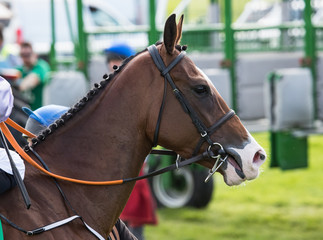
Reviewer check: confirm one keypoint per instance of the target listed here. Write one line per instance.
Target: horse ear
(170, 33)
(179, 29)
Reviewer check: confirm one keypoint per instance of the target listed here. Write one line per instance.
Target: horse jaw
(243, 162)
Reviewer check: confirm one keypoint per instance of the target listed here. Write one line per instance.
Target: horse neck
(105, 131)
(104, 141)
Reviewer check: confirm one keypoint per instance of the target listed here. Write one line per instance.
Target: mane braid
(80, 104)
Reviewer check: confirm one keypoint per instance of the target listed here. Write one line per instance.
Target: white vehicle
(260, 12)
(5, 14)
(32, 19)
(265, 14)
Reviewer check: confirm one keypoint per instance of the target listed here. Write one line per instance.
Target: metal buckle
(203, 134)
(178, 159)
(218, 163)
(209, 149)
(175, 90)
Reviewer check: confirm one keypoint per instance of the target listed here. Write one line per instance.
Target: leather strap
(19, 128)
(201, 128)
(52, 226)
(213, 128)
(16, 173)
(22, 153)
(114, 234)
(165, 73)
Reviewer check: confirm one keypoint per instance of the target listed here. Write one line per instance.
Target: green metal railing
(219, 37)
(214, 37)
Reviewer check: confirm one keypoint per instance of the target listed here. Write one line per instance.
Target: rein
(220, 157)
(207, 154)
(7, 133)
(214, 150)
(202, 129)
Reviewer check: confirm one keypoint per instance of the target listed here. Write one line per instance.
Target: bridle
(205, 132)
(214, 150)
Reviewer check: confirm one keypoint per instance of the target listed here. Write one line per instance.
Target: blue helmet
(120, 50)
(42, 117)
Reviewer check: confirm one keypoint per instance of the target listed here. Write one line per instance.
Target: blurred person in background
(39, 119)
(115, 54)
(34, 75)
(140, 209)
(7, 57)
(141, 206)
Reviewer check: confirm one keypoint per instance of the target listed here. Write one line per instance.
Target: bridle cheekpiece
(205, 132)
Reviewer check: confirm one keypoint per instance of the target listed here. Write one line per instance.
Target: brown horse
(108, 134)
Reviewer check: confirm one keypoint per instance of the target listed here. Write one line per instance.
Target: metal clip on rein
(219, 160)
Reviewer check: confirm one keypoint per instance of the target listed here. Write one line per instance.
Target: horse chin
(232, 176)
(243, 163)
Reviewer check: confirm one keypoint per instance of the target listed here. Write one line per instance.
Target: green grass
(279, 205)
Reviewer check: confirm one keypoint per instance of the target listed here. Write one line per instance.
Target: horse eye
(201, 90)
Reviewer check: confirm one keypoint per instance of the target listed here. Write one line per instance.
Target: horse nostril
(262, 157)
(259, 156)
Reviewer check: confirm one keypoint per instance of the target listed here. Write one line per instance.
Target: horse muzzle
(242, 163)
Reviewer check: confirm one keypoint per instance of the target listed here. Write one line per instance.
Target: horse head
(110, 131)
(178, 129)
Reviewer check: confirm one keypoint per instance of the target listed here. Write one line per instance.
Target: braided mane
(81, 103)
(89, 96)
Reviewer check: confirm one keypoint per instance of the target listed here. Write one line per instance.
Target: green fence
(208, 37)
(226, 36)
(233, 38)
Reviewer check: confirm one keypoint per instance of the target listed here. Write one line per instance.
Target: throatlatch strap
(165, 72)
(160, 115)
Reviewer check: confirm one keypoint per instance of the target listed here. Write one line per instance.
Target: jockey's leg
(7, 181)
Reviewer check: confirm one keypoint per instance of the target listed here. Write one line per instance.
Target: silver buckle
(178, 159)
(218, 163)
(203, 134)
